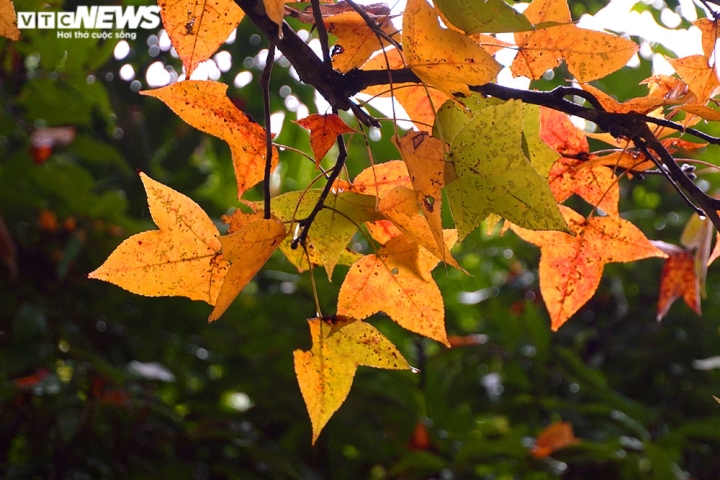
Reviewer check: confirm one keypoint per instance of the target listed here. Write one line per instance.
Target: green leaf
(334, 226)
(494, 176)
(487, 16)
(541, 156)
(452, 117)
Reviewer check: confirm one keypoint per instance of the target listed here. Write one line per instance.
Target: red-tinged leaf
(679, 279)
(29, 381)
(716, 250)
(8, 21)
(420, 439)
(247, 250)
(325, 373)
(324, 130)
(554, 437)
(204, 105)
(571, 265)
(596, 185)
(560, 134)
(390, 282)
(183, 258)
(197, 28)
(356, 40)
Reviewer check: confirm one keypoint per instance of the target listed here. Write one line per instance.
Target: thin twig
(322, 31)
(265, 86)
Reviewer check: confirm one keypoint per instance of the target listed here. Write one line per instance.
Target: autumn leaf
(396, 281)
(275, 10)
(589, 54)
(710, 33)
(8, 21)
(642, 105)
(419, 101)
(678, 279)
(489, 16)
(699, 75)
(356, 40)
(425, 159)
(325, 373)
(324, 130)
(552, 438)
(197, 29)
(596, 185)
(204, 105)
(335, 224)
(560, 134)
(540, 155)
(443, 58)
(571, 265)
(247, 250)
(183, 258)
(494, 176)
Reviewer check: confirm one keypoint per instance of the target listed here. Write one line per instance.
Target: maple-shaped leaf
(204, 105)
(489, 16)
(560, 134)
(678, 279)
(571, 265)
(197, 29)
(396, 281)
(8, 21)
(425, 159)
(596, 185)
(699, 75)
(710, 33)
(325, 373)
(541, 156)
(589, 54)
(247, 250)
(183, 258)
(324, 130)
(443, 58)
(494, 175)
(552, 438)
(642, 105)
(335, 224)
(454, 115)
(420, 102)
(356, 40)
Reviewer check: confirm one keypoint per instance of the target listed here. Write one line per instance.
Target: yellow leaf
(204, 105)
(8, 21)
(197, 28)
(710, 33)
(356, 40)
(548, 11)
(247, 250)
(396, 281)
(275, 10)
(181, 259)
(443, 58)
(325, 373)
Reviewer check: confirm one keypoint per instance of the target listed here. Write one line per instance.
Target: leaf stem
(265, 86)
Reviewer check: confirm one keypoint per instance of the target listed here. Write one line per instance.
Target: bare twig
(265, 86)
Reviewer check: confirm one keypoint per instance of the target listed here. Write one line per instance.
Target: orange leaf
(715, 252)
(679, 279)
(443, 58)
(642, 105)
(204, 105)
(181, 259)
(627, 160)
(324, 130)
(589, 55)
(356, 40)
(275, 10)
(247, 250)
(699, 76)
(560, 134)
(400, 205)
(8, 21)
(710, 34)
(597, 185)
(552, 438)
(325, 373)
(425, 159)
(419, 102)
(390, 282)
(571, 266)
(196, 29)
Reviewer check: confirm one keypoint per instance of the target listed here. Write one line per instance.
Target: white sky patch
(157, 76)
(243, 79)
(127, 72)
(122, 49)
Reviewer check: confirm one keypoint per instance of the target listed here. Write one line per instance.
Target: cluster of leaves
(499, 158)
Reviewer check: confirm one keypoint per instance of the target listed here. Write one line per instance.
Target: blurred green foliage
(98, 383)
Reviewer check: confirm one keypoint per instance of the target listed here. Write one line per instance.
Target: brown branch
(265, 87)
